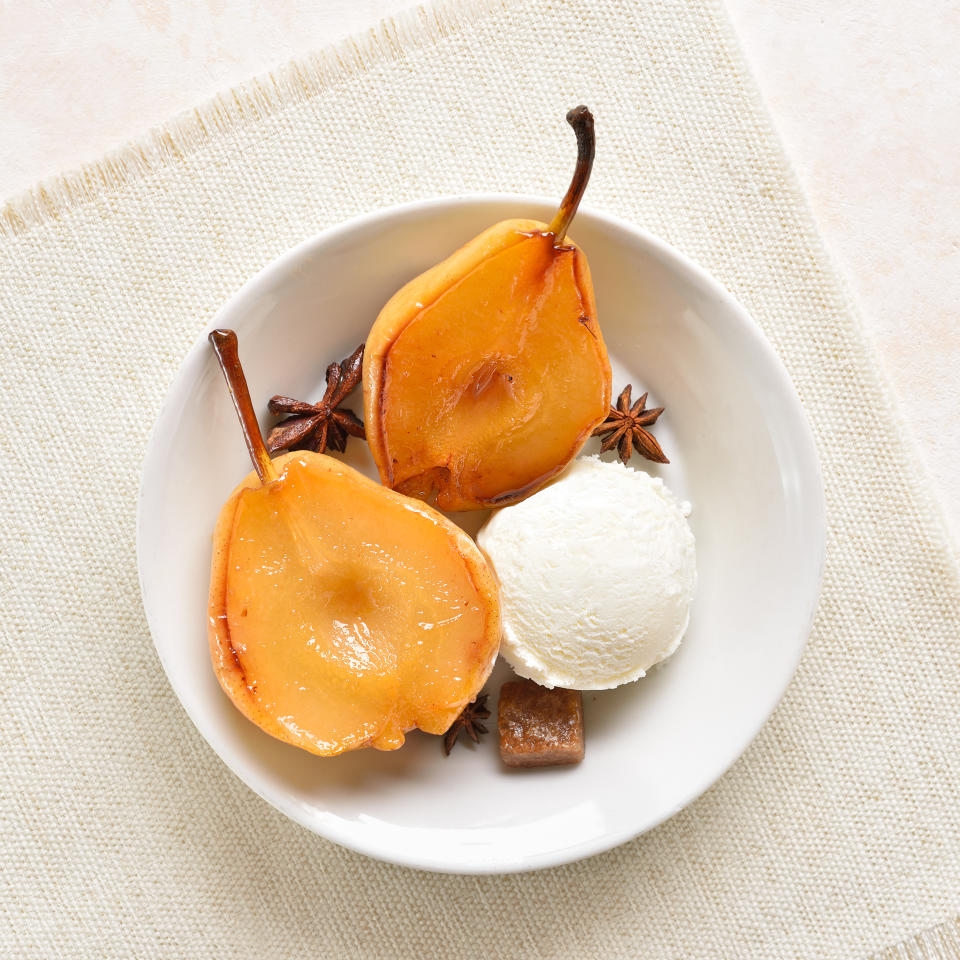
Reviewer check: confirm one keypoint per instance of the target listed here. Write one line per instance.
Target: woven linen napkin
(836, 835)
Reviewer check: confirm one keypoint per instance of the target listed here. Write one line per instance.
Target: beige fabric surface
(836, 835)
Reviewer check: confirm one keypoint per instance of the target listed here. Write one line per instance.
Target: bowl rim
(803, 444)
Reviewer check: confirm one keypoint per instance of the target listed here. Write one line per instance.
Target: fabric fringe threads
(938, 943)
(250, 102)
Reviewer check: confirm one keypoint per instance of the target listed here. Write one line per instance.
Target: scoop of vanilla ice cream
(597, 573)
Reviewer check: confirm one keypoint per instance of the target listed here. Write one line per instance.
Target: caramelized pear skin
(484, 376)
(343, 614)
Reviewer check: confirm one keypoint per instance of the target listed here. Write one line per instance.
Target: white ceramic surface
(742, 453)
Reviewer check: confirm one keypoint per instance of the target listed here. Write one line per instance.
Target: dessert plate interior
(742, 454)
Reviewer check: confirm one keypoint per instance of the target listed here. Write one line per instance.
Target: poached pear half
(342, 614)
(484, 376)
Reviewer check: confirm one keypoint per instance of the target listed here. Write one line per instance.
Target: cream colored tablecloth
(836, 835)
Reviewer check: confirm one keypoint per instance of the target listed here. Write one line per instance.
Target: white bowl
(742, 453)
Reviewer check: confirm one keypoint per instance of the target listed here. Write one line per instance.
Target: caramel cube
(539, 727)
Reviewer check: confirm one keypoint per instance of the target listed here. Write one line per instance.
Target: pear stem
(224, 343)
(581, 119)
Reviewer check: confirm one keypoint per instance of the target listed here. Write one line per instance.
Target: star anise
(626, 425)
(317, 426)
(470, 719)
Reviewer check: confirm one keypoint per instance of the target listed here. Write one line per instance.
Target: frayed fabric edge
(295, 82)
